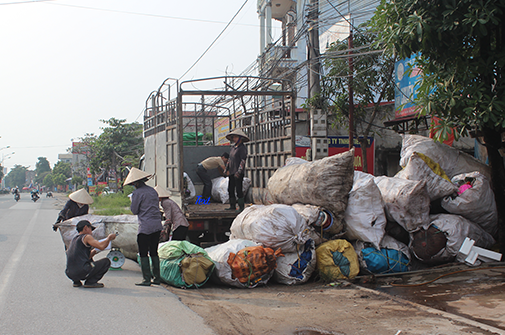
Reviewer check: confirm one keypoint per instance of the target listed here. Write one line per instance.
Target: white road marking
(7, 275)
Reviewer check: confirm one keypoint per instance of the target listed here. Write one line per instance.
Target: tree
(42, 166)
(59, 179)
(371, 84)
(1, 172)
(62, 168)
(120, 144)
(16, 176)
(460, 47)
(48, 180)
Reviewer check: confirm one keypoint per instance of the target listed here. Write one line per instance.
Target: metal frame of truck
(262, 107)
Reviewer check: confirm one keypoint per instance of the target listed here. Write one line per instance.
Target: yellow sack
(336, 259)
(195, 268)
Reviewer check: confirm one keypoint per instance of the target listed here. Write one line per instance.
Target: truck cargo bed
(210, 211)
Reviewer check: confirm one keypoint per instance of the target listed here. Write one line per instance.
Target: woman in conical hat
(175, 218)
(77, 205)
(145, 204)
(235, 168)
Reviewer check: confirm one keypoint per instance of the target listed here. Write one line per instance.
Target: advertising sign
(222, 128)
(340, 144)
(405, 88)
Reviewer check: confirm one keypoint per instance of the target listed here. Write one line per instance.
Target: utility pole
(318, 124)
(351, 92)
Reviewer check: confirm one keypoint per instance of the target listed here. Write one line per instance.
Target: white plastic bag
(296, 267)
(477, 203)
(274, 226)
(406, 202)
(220, 188)
(364, 217)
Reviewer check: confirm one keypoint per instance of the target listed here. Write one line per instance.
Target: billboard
(406, 86)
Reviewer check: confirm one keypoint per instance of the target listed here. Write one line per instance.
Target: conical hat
(134, 175)
(162, 192)
(238, 132)
(81, 196)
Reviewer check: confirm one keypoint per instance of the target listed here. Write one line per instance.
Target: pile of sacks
(331, 220)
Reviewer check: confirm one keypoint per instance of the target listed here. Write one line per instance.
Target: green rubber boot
(146, 272)
(156, 270)
(241, 204)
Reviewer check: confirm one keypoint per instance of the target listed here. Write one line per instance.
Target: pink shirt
(173, 213)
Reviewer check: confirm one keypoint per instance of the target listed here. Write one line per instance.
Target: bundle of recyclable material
(406, 202)
(296, 267)
(295, 160)
(238, 270)
(421, 167)
(393, 256)
(125, 225)
(364, 216)
(451, 160)
(220, 188)
(319, 220)
(273, 226)
(325, 182)
(476, 202)
(441, 241)
(183, 264)
(336, 259)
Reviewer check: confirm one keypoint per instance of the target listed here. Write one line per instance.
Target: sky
(67, 64)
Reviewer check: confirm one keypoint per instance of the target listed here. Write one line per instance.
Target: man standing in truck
(209, 164)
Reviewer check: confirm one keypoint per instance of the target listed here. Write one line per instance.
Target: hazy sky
(66, 64)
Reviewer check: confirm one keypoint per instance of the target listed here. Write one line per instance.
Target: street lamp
(4, 157)
(5, 147)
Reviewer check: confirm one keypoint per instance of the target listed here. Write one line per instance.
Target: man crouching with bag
(80, 264)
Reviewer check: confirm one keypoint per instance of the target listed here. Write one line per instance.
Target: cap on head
(83, 223)
(81, 196)
(135, 175)
(238, 132)
(162, 192)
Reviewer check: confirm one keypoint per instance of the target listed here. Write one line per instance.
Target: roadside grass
(112, 204)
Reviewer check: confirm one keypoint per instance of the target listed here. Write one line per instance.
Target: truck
(181, 131)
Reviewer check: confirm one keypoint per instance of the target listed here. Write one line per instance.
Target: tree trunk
(493, 143)
(363, 142)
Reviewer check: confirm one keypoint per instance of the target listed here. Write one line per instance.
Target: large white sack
(220, 188)
(477, 204)
(125, 225)
(406, 202)
(325, 182)
(274, 226)
(451, 160)
(417, 169)
(296, 267)
(190, 191)
(219, 255)
(456, 228)
(364, 216)
(313, 216)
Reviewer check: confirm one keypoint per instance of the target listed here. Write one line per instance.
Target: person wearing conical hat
(235, 168)
(175, 219)
(145, 204)
(77, 205)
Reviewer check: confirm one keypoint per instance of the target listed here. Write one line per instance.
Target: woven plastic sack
(406, 202)
(253, 265)
(171, 255)
(273, 226)
(455, 228)
(336, 259)
(195, 268)
(421, 167)
(220, 253)
(477, 203)
(392, 257)
(364, 217)
(451, 160)
(296, 267)
(325, 182)
(220, 188)
(125, 225)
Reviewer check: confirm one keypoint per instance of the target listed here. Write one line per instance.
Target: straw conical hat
(238, 132)
(162, 192)
(134, 175)
(81, 196)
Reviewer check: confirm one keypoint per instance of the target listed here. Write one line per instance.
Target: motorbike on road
(35, 197)
(16, 197)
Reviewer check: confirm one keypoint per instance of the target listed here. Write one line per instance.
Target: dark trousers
(99, 269)
(235, 184)
(180, 233)
(207, 182)
(148, 244)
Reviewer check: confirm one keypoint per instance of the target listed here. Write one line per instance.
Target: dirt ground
(316, 308)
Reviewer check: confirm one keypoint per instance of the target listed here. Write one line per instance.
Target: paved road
(37, 298)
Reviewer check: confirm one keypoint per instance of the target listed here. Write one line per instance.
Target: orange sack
(250, 265)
